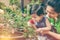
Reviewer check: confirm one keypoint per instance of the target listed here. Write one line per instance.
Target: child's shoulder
(31, 21)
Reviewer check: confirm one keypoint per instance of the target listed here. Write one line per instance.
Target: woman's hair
(55, 4)
(40, 11)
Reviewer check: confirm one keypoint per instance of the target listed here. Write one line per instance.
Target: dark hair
(34, 8)
(40, 11)
(44, 2)
(55, 4)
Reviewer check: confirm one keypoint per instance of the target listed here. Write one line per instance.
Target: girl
(42, 23)
(32, 21)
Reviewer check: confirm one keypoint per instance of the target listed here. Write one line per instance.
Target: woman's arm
(55, 35)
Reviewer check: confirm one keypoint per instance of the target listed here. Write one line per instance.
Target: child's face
(33, 15)
(38, 18)
(50, 11)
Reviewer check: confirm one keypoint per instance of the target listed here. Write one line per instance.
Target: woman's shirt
(56, 24)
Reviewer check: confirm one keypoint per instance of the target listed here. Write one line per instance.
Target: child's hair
(40, 11)
(55, 4)
(34, 8)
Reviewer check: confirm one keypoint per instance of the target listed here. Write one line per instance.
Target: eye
(48, 12)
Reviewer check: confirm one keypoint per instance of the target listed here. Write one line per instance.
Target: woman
(53, 8)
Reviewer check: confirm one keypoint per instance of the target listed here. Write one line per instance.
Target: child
(42, 24)
(32, 21)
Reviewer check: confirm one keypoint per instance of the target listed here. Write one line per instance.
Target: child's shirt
(31, 21)
(41, 23)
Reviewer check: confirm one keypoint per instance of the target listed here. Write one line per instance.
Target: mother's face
(50, 11)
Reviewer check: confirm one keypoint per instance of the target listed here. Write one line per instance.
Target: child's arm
(48, 27)
(32, 25)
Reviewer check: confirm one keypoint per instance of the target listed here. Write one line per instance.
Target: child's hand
(41, 31)
(38, 30)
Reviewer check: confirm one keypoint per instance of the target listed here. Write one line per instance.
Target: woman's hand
(39, 30)
(45, 32)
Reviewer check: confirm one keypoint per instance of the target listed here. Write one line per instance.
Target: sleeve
(30, 22)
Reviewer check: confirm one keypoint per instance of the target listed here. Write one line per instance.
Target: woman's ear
(59, 15)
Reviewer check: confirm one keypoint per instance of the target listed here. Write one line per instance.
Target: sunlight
(5, 36)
